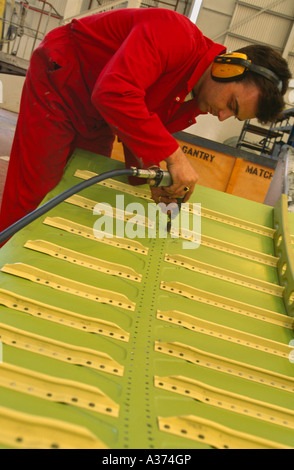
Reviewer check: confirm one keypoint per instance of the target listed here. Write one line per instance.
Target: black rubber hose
(27, 219)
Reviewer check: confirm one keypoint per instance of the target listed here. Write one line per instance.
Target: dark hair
(271, 102)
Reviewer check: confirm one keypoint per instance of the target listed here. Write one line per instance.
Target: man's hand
(184, 180)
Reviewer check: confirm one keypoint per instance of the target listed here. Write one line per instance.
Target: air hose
(156, 175)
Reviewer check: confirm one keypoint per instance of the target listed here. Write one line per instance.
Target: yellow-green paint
(201, 344)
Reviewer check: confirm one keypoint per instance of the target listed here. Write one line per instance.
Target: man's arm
(153, 48)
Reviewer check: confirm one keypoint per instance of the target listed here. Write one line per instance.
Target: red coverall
(125, 72)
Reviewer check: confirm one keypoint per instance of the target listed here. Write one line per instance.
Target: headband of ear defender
(234, 66)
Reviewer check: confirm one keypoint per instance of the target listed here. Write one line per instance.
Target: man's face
(225, 100)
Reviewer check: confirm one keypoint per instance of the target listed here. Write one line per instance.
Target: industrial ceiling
(239, 23)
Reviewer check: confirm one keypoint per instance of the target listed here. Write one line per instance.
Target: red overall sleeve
(119, 94)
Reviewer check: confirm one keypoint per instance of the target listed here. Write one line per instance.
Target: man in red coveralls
(126, 73)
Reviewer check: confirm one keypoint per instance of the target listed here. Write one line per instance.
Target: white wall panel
(250, 22)
(265, 28)
(221, 6)
(211, 23)
(215, 17)
(291, 63)
(285, 7)
(233, 44)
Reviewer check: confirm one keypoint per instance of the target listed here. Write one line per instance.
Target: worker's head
(261, 66)
(246, 94)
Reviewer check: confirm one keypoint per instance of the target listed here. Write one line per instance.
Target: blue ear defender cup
(234, 66)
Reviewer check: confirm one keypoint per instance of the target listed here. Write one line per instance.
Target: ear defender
(235, 65)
